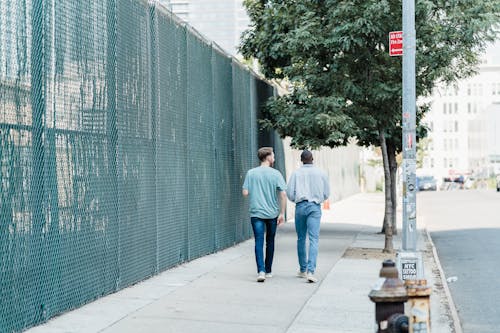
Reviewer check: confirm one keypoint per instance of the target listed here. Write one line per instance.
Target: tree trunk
(388, 247)
(393, 169)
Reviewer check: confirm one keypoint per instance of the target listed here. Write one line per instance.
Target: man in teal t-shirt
(264, 185)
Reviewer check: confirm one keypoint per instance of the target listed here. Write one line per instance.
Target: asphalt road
(465, 228)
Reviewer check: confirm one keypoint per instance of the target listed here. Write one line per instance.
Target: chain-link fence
(124, 140)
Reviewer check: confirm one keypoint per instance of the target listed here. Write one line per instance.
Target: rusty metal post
(419, 306)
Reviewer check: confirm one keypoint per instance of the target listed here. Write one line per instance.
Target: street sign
(409, 270)
(395, 43)
(410, 265)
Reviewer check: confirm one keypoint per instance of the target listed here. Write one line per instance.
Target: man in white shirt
(308, 187)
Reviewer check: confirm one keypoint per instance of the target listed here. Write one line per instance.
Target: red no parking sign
(395, 43)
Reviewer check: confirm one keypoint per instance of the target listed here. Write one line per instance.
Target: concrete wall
(342, 166)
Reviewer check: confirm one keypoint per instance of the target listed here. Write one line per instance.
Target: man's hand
(281, 219)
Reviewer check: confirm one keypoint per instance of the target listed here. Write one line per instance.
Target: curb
(457, 327)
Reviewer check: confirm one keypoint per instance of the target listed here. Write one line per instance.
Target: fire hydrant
(419, 306)
(389, 296)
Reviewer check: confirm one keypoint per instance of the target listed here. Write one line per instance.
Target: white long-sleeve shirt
(308, 183)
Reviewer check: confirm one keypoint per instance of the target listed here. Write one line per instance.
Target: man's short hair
(306, 156)
(264, 152)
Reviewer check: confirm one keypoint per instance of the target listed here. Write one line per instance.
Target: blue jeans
(307, 219)
(261, 227)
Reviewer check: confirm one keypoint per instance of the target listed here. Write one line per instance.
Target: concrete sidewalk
(219, 292)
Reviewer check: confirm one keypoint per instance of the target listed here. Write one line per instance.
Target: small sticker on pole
(395, 43)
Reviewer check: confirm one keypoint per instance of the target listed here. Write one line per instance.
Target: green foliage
(422, 148)
(334, 53)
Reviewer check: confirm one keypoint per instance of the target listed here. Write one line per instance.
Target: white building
(484, 140)
(454, 146)
(222, 21)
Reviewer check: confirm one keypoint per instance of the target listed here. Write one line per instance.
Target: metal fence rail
(124, 140)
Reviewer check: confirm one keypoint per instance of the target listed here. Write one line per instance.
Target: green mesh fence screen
(124, 141)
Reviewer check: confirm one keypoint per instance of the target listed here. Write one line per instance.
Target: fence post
(113, 273)
(38, 155)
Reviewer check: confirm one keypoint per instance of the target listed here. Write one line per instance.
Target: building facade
(222, 21)
(456, 143)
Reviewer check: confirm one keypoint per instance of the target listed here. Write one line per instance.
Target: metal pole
(409, 124)
(410, 261)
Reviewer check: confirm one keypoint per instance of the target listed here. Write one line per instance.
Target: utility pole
(409, 259)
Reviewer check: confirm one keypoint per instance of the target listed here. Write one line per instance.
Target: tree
(422, 147)
(334, 54)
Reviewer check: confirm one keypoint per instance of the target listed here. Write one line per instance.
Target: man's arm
(326, 187)
(290, 191)
(281, 217)
(245, 186)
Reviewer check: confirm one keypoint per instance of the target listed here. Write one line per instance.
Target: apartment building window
(432, 162)
(444, 108)
(456, 126)
(480, 88)
(456, 108)
(445, 144)
(445, 162)
(456, 144)
(475, 108)
(469, 90)
(445, 127)
(431, 126)
(469, 108)
(495, 88)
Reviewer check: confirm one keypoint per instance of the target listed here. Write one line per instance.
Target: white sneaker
(301, 274)
(261, 277)
(269, 275)
(311, 278)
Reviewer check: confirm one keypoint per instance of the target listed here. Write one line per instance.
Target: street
(465, 228)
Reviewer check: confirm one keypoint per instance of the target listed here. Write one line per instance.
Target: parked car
(453, 183)
(498, 183)
(426, 183)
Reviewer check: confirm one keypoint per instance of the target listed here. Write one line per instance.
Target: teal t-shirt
(263, 184)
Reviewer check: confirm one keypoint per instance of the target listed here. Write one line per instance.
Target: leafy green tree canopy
(334, 54)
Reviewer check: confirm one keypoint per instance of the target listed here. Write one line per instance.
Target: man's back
(308, 183)
(263, 183)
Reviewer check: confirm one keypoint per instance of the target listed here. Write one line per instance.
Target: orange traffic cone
(326, 204)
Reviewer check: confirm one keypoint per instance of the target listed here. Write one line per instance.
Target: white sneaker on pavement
(261, 277)
(269, 275)
(311, 278)
(301, 274)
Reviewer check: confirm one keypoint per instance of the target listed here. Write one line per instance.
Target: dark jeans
(261, 227)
